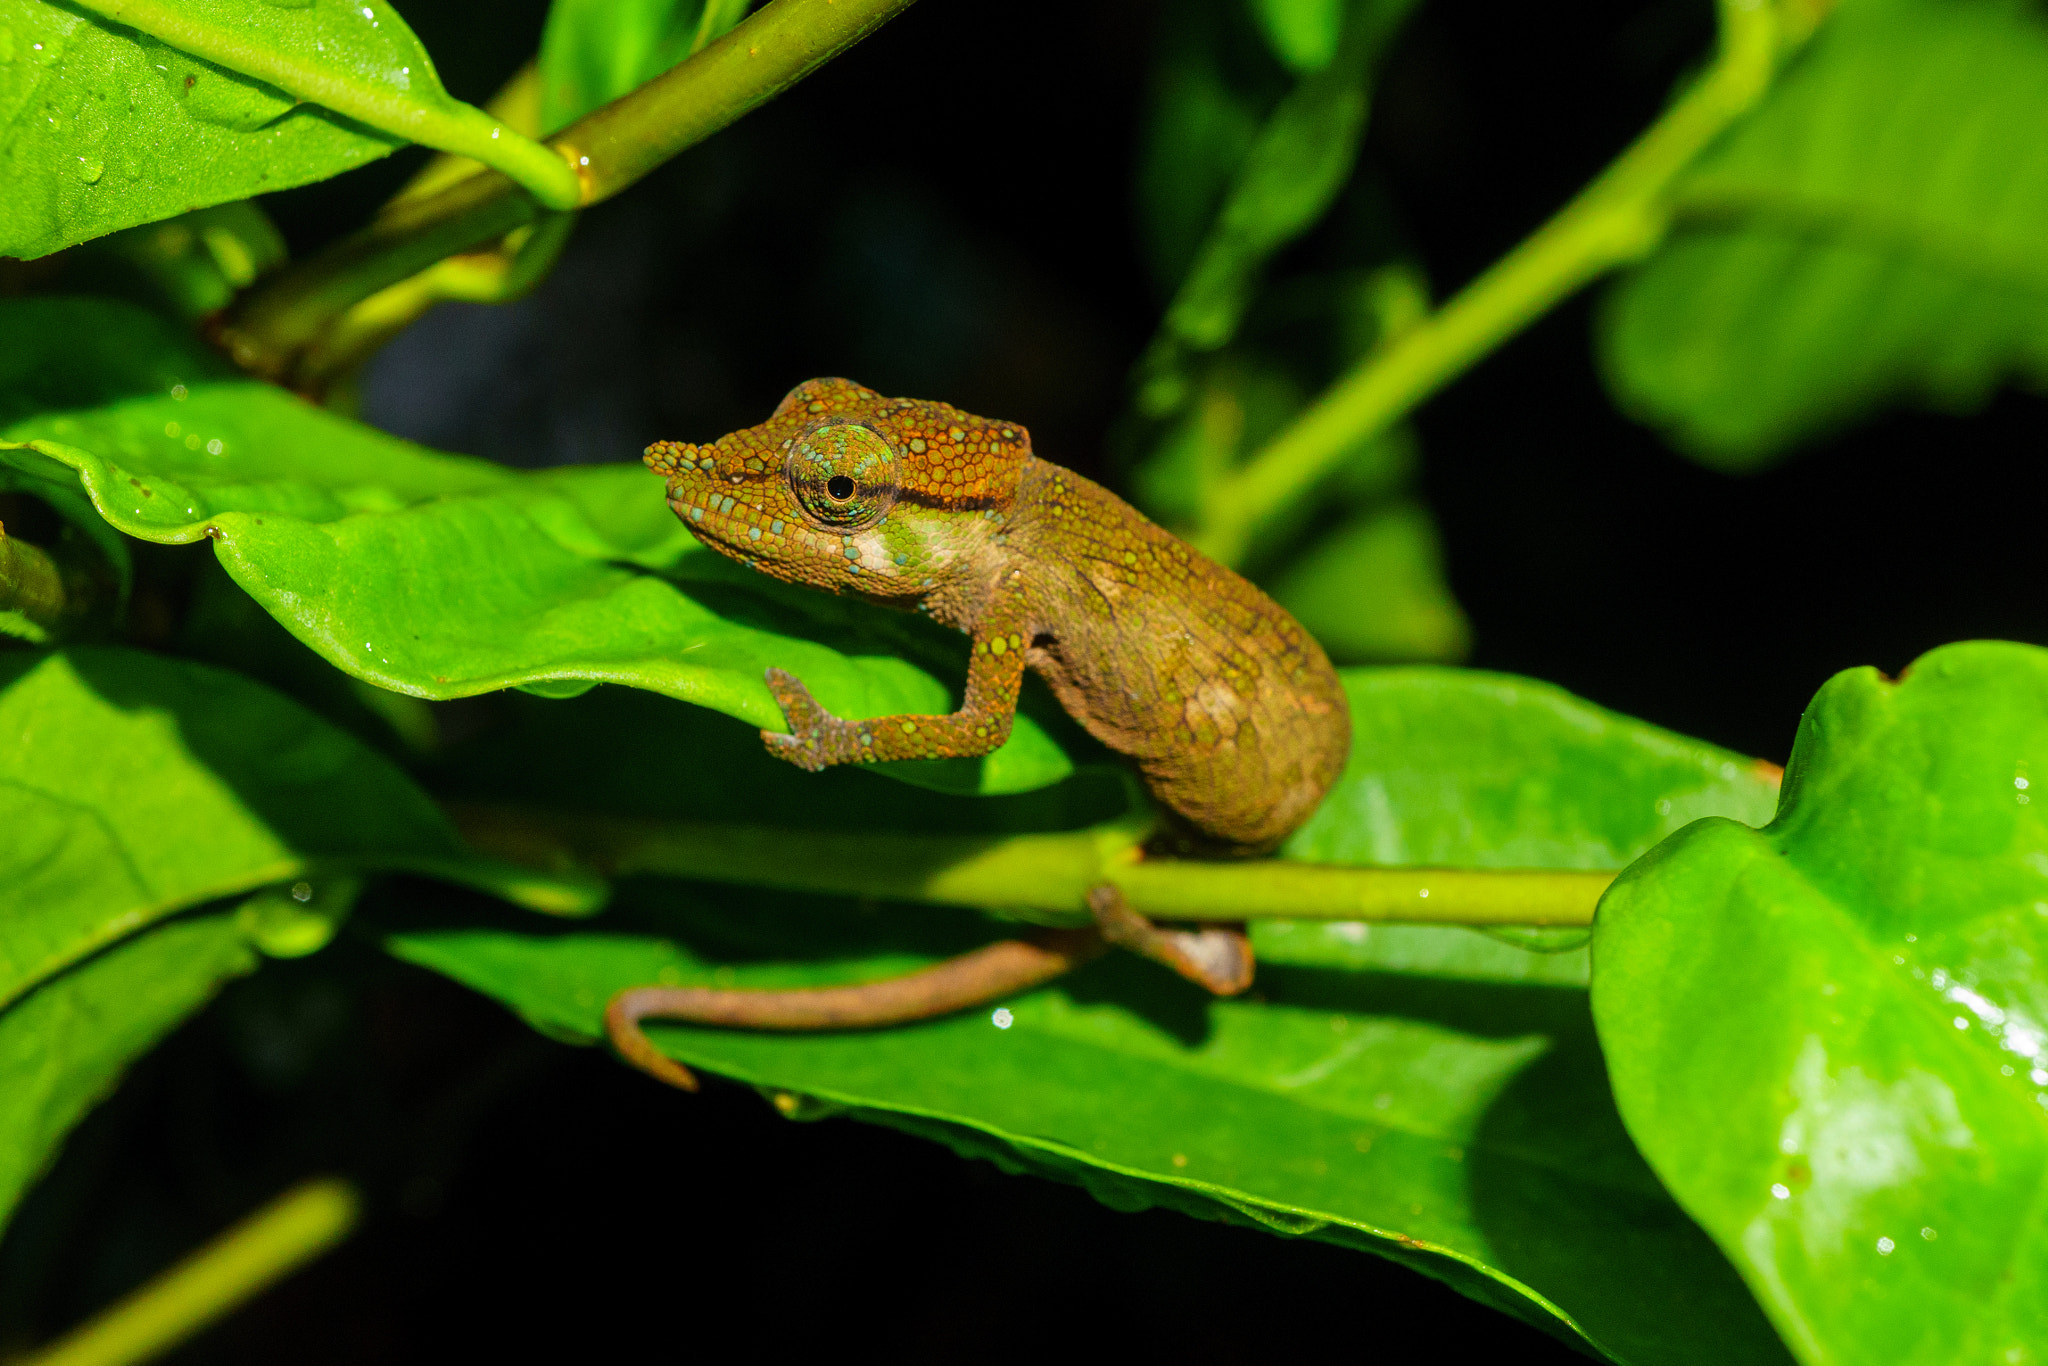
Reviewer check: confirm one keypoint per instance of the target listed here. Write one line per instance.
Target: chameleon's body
(1229, 709)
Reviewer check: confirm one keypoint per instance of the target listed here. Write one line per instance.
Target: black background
(945, 211)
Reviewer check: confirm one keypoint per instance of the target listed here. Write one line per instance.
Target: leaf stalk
(1042, 878)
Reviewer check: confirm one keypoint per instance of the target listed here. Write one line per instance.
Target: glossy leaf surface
(65, 1045)
(1830, 1036)
(1874, 232)
(88, 109)
(133, 786)
(1428, 1093)
(441, 576)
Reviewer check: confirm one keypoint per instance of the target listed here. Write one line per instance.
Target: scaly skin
(1229, 709)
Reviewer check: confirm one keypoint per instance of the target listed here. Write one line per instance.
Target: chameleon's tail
(999, 969)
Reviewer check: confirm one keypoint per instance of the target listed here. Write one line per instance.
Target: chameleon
(1228, 710)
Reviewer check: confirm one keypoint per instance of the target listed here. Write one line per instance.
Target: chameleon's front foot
(812, 729)
(1213, 957)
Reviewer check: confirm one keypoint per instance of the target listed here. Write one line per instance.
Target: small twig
(232, 1269)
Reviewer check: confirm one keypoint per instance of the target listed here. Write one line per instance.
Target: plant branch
(235, 1267)
(1042, 878)
(1620, 217)
(270, 328)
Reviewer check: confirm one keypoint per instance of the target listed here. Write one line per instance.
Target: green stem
(609, 149)
(434, 119)
(1619, 218)
(233, 1268)
(1043, 878)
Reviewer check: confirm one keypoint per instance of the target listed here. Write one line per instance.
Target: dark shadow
(639, 754)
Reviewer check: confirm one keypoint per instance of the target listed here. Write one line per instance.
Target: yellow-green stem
(1043, 878)
(1620, 217)
(235, 1267)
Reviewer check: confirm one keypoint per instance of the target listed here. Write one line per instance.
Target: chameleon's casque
(1228, 708)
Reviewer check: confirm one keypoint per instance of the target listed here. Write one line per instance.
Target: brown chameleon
(1227, 708)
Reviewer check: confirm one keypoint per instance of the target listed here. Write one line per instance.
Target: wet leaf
(63, 1047)
(86, 105)
(1830, 1036)
(441, 576)
(1873, 233)
(1431, 1094)
(134, 786)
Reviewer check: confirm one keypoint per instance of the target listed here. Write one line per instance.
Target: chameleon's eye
(844, 474)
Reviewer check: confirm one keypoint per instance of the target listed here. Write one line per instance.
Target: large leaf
(1830, 1036)
(99, 129)
(1877, 230)
(441, 576)
(65, 1045)
(1429, 1093)
(134, 786)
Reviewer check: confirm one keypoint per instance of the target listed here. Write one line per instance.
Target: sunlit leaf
(89, 111)
(1830, 1036)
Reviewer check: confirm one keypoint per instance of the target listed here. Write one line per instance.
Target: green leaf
(86, 108)
(134, 786)
(1302, 33)
(1374, 588)
(63, 1046)
(1428, 1093)
(355, 58)
(1290, 175)
(1873, 233)
(188, 266)
(594, 51)
(441, 576)
(1830, 1036)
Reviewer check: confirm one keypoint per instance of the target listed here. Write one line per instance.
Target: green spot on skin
(753, 533)
(998, 645)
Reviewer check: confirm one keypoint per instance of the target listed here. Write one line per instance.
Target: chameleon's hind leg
(1214, 957)
(999, 969)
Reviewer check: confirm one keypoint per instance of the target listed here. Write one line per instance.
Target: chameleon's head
(847, 490)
